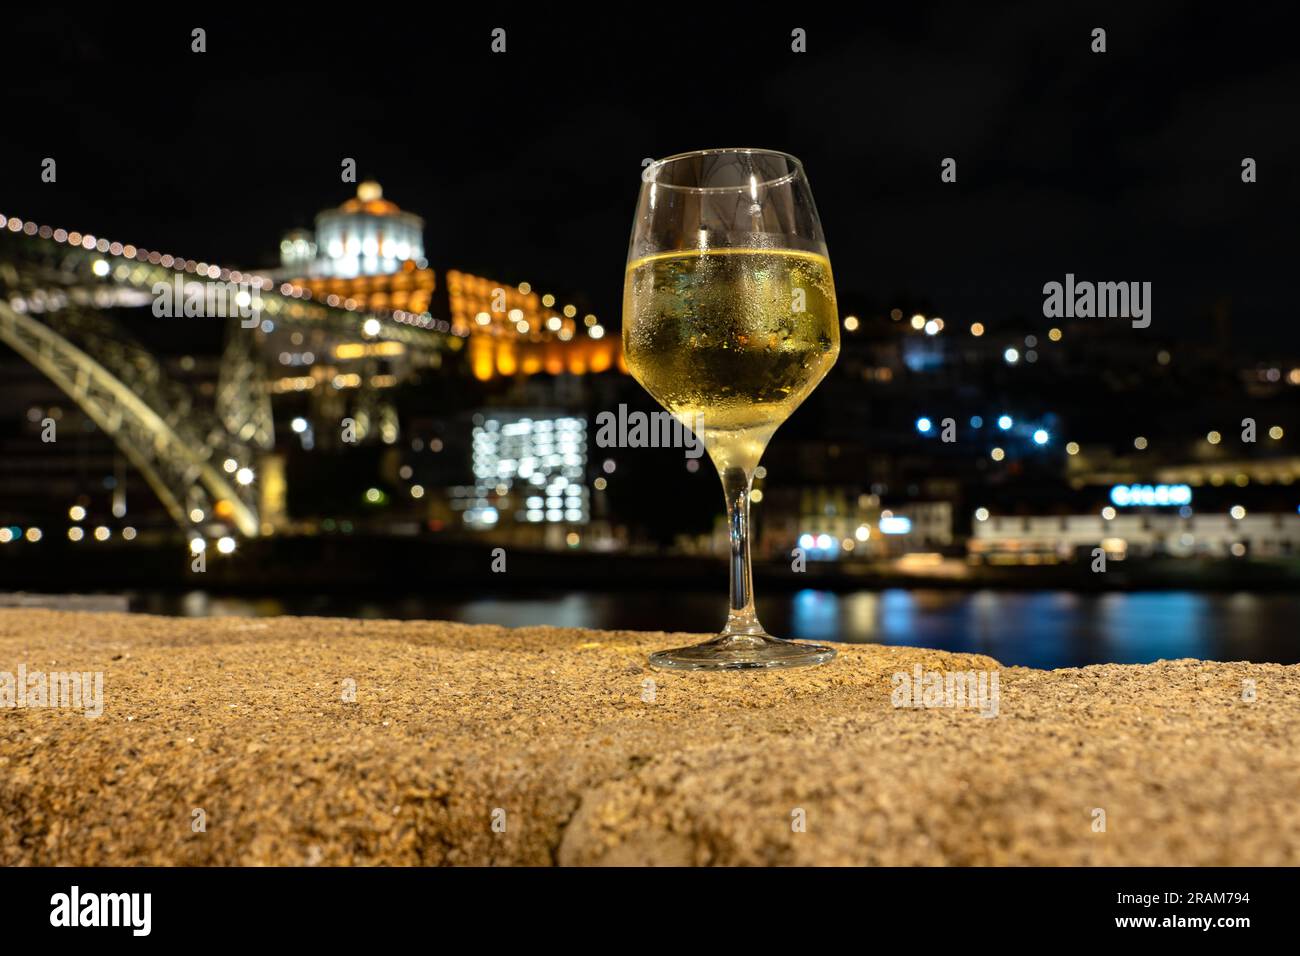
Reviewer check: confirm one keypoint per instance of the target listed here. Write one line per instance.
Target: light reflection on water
(1035, 629)
(1060, 629)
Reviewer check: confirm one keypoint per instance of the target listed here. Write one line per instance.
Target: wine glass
(729, 322)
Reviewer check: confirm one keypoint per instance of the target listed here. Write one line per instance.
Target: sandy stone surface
(247, 721)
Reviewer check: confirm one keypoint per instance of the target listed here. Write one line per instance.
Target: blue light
(977, 422)
(895, 524)
(923, 425)
(1151, 496)
(1005, 422)
(807, 542)
(1040, 437)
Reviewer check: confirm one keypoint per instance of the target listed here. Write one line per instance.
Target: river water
(1035, 629)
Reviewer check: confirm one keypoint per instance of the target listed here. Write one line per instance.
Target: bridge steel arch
(168, 460)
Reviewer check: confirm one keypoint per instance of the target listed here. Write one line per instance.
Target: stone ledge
(246, 720)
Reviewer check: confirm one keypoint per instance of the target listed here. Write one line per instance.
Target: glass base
(739, 652)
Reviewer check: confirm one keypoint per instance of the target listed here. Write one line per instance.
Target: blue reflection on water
(1146, 626)
(818, 614)
(1056, 628)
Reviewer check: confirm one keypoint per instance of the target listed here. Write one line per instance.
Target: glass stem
(741, 619)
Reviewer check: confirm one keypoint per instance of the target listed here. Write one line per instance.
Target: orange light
(506, 363)
(480, 357)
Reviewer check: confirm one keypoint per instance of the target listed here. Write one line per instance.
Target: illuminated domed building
(366, 236)
(370, 253)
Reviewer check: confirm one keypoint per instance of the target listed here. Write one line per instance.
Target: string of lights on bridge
(196, 267)
(90, 243)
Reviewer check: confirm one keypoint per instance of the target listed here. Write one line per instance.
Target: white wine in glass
(729, 322)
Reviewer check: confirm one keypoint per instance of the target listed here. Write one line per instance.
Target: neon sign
(1148, 496)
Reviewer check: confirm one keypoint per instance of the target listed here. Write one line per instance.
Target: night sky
(1123, 166)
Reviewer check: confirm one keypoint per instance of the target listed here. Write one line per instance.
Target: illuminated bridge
(342, 340)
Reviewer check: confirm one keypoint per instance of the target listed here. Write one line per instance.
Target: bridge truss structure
(59, 295)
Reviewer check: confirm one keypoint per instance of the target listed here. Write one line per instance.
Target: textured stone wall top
(455, 730)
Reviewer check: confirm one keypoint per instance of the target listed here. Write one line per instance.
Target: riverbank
(326, 741)
(424, 564)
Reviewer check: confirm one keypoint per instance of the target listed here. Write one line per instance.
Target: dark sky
(1122, 166)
